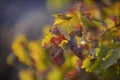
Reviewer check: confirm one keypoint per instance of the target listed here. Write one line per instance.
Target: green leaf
(96, 65)
(115, 55)
(85, 21)
(103, 51)
(98, 23)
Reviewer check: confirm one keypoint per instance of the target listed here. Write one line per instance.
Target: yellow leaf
(45, 42)
(86, 63)
(62, 43)
(41, 66)
(110, 23)
(58, 15)
(62, 16)
(26, 74)
(19, 50)
(54, 74)
(74, 60)
(58, 21)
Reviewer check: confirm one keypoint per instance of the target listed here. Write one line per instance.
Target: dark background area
(11, 14)
(20, 17)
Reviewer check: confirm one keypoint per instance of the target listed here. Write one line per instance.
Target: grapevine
(82, 44)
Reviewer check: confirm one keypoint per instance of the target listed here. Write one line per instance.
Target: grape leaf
(57, 55)
(58, 21)
(19, 50)
(72, 73)
(54, 74)
(57, 40)
(110, 23)
(64, 32)
(85, 21)
(96, 65)
(115, 55)
(103, 51)
(98, 23)
(86, 64)
(29, 76)
(62, 16)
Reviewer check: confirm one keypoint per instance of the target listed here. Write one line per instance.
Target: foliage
(83, 43)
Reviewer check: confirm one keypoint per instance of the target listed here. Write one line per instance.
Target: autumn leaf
(60, 18)
(110, 23)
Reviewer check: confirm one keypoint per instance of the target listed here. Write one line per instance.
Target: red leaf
(72, 73)
(59, 60)
(79, 62)
(79, 27)
(114, 18)
(57, 55)
(57, 40)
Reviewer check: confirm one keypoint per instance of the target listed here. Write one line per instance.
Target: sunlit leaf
(110, 23)
(74, 60)
(45, 41)
(29, 76)
(55, 74)
(86, 64)
(19, 50)
(62, 16)
(58, 21)
(63, 44)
